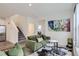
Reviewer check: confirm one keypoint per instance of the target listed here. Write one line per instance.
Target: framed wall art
(59, 25)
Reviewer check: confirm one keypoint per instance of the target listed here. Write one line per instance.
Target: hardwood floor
(5, 46)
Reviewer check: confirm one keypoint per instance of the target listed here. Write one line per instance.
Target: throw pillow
(34, 38)
(44, 37)
(39, 39)
(2, 53)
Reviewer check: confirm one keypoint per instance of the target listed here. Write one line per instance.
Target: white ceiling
(36, 10)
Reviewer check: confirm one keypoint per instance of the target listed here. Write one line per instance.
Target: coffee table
(50, 50)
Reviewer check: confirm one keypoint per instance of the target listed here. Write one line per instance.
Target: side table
(55, 45)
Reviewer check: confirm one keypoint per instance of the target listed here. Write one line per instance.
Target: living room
(52, 22)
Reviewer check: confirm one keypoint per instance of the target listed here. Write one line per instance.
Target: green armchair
(69, 44)
(2, 53)
(16, 51)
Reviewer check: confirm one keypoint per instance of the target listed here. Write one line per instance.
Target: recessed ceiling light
(30, 5)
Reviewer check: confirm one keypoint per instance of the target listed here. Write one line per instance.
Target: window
(76, 26)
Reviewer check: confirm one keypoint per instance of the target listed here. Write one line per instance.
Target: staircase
(21, 37)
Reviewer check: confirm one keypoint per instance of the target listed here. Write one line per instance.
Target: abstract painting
(59, 25)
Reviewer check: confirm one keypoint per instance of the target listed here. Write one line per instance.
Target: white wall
(60, 35)
(40, 22)
(32, 28)
(23, 23)
(11, 31)
(2, 22)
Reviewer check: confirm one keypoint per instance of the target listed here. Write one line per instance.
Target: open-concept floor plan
(39, 29)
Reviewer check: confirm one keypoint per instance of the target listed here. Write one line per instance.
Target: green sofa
(33, 43)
